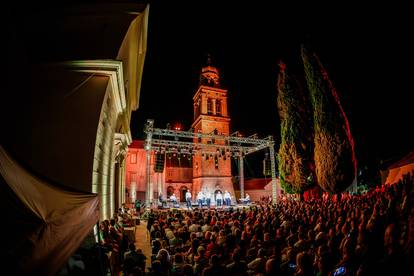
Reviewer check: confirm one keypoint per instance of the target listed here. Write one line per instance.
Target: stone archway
(170, 191)
(183, 190)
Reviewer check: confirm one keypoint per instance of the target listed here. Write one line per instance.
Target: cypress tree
(334, 154)
(295, 148)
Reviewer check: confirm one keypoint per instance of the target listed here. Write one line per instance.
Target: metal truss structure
(190, 143)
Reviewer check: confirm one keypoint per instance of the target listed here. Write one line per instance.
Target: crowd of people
(119, 248)
(368, 234)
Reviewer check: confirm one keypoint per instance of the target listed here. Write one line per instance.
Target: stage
(183, 206)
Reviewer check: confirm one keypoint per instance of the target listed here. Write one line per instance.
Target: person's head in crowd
(214, 260)
(261, 253)
(156, 266)
(131, 246)
(136, 271)
(163, 255)
(390, 238)
(266, 236)
(323, 264)
(201, 251)
(187, 270)
(236, 255)
(304, 264)
(178, 258)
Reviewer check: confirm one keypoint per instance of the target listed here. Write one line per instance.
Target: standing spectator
(138, 206)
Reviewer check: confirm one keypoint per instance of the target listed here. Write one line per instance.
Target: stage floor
(183, 206)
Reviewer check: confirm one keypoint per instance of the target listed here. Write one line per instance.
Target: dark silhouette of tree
(295, 152)
(334, 154)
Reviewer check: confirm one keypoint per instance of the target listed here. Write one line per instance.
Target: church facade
(208, 171)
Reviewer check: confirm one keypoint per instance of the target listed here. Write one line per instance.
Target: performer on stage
(208, 198)
(173, 199)
(203, 197)
(188, 199)
(246, 199)
(227, 198)
(200, 199)
(219, 199)
(162, 201)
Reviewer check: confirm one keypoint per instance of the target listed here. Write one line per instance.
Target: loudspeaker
(267, 168)
(159, 162)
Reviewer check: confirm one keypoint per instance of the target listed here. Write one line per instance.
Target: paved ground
(142, 241)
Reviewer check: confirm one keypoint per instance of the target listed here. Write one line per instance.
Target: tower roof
(209, 74)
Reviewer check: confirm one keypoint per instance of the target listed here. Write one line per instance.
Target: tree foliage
(334, 154)
(295, 152)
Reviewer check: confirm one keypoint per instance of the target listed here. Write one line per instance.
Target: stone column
(224, 107)
(203, 104)
(241, 175)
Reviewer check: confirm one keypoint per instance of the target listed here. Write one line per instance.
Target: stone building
(72, 81)
(210, 171)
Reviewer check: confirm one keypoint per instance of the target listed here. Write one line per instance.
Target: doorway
(183, 190)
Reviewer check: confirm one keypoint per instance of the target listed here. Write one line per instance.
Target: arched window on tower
(209, 106)
(218, 107)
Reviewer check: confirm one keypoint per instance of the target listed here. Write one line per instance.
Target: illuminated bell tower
(211, 170)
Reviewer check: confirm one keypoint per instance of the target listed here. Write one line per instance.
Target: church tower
(211, 170)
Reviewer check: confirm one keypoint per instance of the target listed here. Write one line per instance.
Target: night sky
(366, 51)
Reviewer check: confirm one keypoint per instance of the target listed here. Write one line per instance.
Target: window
(209, 106)
(218, 107)
(133, 158)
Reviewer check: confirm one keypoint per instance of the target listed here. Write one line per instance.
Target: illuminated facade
(204, 172)
(211, 171)
(175, 178)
